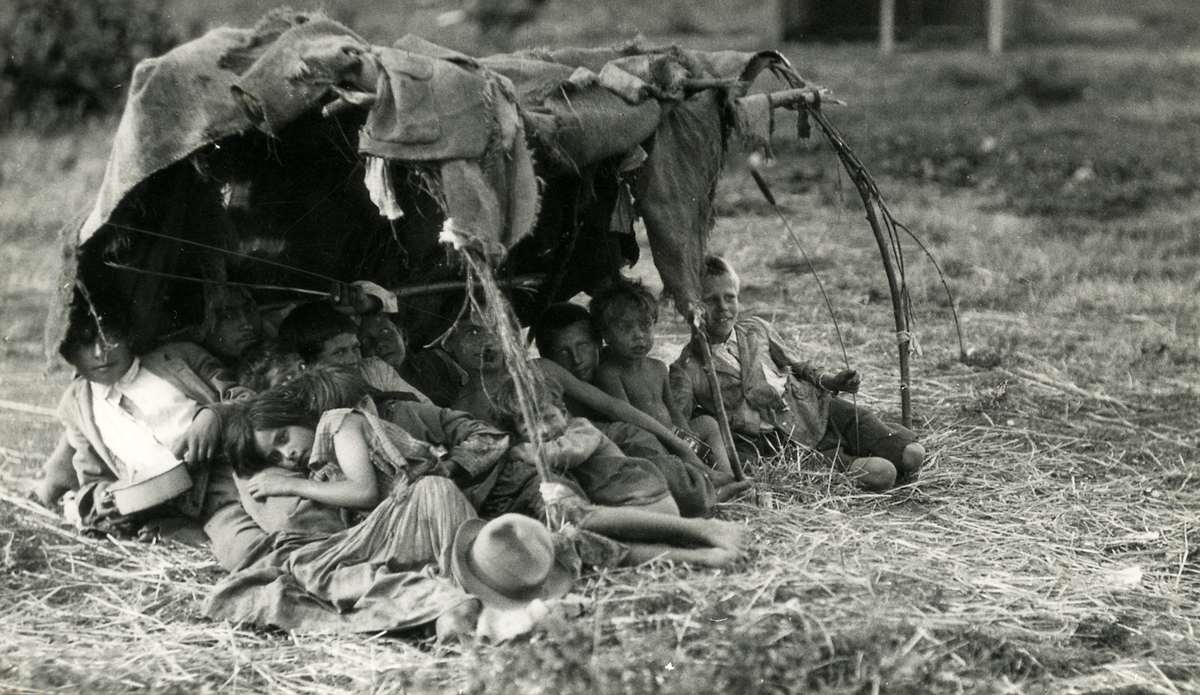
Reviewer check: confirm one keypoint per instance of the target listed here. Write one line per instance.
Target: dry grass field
(1048, 547)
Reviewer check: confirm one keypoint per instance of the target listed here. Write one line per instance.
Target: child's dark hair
(270, 409)
(621, 293)
(265, 365)
(83, 331)
(506, 406)
(305, 330)
(556, 318)
(322, 387)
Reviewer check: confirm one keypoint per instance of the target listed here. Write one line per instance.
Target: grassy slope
(1047, 547)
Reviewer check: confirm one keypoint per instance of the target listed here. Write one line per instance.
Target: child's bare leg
(640, 553)
(665, 506)
(722, 476)
(710, 432)
(58, 474)
(635, 524)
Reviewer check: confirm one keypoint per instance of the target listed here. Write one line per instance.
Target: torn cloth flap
(755, 121)
(297, 71)
(416, 44)
(494, 201)
(427, 110)
(674, 191)
(177, 103)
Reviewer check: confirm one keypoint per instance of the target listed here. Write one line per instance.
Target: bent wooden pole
(869, 192)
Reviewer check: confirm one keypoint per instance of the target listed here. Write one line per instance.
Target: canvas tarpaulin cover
(299, 141)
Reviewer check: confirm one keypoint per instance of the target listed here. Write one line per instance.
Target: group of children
(605, 441)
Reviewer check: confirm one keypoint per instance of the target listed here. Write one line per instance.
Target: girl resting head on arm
(271, 442)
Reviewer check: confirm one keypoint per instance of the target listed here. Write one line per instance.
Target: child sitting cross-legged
(624, 315)
(599, 489)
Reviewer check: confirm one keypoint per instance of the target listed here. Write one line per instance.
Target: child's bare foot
(730, 490)
(458, 623)
(714, 557)
(727, 535)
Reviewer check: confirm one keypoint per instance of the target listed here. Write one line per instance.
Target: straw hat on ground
(508, 562)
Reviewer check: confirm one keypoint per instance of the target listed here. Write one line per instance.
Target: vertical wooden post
(995, 27)
(887, 27)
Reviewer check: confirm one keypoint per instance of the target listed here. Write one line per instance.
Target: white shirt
(141, 418)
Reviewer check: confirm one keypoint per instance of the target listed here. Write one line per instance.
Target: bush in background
(63, 59)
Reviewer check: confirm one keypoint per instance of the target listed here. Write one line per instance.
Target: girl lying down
(348, 457)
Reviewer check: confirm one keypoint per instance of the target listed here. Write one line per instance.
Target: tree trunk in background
(995, 26)
(887, 27)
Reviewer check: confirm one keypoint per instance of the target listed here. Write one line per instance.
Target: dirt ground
(1046, 549)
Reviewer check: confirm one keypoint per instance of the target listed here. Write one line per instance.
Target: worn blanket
(479, 125)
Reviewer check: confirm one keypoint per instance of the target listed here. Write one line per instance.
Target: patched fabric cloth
(427, 109)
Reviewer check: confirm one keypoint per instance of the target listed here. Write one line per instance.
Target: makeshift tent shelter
(296, 154)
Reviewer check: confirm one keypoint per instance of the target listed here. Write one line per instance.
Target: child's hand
(847, 380)
(270, 483)
(351, 299)
(523, 452)
(201, 441)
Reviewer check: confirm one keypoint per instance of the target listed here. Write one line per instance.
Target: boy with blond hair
(774, 398)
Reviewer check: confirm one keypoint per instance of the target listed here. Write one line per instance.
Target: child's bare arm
(617, 411)
(358, 490)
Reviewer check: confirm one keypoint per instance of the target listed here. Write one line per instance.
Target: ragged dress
(388, 571)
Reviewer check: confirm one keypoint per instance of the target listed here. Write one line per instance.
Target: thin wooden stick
(27, 408)
(518, 282)
(714, 384)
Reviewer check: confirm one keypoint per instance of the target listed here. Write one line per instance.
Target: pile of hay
(1038, 551)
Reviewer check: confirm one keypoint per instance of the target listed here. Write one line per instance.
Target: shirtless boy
(625, 315)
